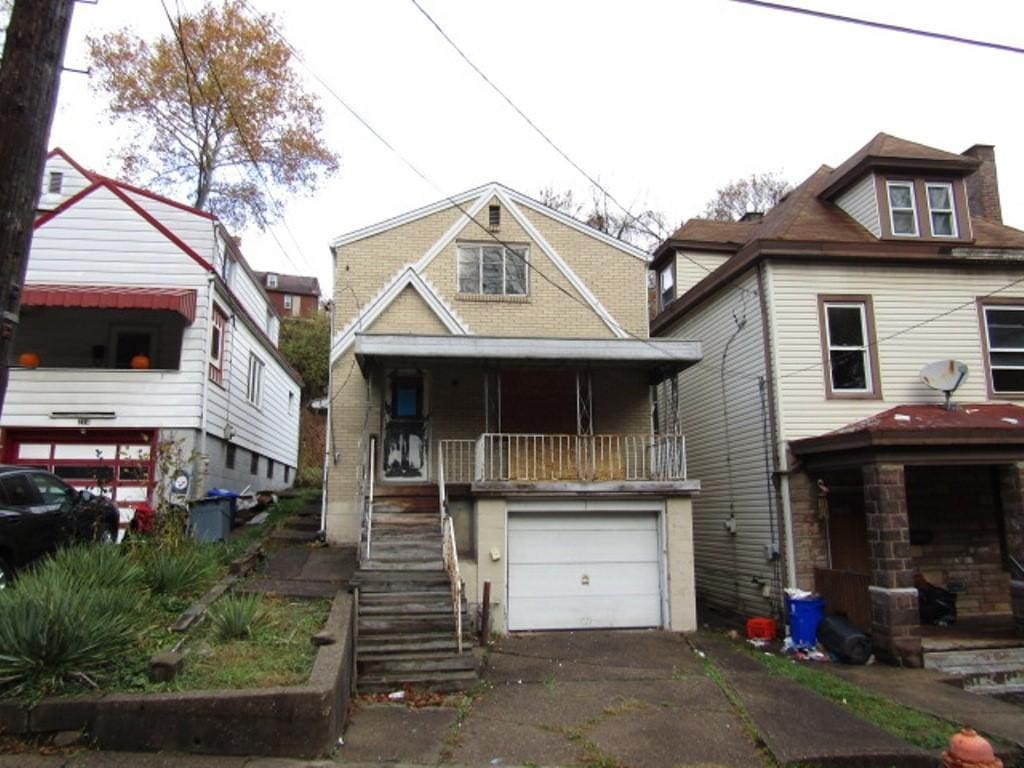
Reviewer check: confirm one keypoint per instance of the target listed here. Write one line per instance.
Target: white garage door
(575, 571)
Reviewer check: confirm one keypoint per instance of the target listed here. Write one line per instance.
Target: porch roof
(662, 357)
(180, 300)
(924, 433)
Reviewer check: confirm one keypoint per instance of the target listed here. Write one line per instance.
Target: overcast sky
(664, 102)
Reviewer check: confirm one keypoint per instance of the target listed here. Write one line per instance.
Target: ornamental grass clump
(178, 570)
(232, 618)
(97, 566)
(60, 628)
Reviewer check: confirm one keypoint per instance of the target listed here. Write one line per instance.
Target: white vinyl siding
(921, 315)
(196, 231)
(726, 564)
(861, 202)
(694, 266)
(583, 571)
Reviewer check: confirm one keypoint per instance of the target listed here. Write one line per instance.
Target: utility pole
(29, 77)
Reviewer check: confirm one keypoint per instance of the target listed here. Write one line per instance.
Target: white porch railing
(459, 457)
(449, 549)
(367, 474)
(575, 458)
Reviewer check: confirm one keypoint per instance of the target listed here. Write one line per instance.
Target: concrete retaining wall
(296, 721)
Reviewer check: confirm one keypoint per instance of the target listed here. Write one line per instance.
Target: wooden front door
(405, 449)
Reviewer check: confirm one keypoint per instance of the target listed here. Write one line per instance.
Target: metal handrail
(450, 551)
(367, 495)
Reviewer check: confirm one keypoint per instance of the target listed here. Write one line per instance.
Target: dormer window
(271, 280)
(902, 210)
(940, 209)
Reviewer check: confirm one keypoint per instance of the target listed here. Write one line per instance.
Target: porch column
(895, 624)
(1011, 492)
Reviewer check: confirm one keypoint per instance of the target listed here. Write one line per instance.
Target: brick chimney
(983, 185)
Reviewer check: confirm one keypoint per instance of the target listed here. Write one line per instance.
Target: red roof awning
(180, 300)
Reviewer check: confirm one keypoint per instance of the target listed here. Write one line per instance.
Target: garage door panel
(583, 570)
(572, 580)
(582, 612)
(581, 546)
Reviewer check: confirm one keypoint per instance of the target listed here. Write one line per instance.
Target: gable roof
(308, 286)
(471, 195)
(469, 204)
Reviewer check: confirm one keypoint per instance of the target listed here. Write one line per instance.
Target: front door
(404, 452)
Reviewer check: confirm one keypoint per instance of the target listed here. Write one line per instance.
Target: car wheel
(106, 536)
(6, 574)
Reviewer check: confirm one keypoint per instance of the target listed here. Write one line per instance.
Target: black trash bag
(935, 605)
(843, 640)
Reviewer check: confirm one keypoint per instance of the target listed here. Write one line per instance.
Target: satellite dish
(945, 376)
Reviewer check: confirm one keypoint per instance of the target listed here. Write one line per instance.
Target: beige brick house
(491, 362)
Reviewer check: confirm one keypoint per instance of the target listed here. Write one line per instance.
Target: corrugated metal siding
(921, 314)
(726, 564)
(861, 203)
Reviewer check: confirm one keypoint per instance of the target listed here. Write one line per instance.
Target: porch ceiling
(662, 357)
(922, 434)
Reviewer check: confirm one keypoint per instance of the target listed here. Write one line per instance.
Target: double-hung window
(493, 269)
(902, 210)
(848, 349)
(940, 209)
(254, 382)
(220, 321)
(667, 285)
(1004, 329)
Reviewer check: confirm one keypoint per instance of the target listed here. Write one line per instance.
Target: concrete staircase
(406, 631)
(982, 670)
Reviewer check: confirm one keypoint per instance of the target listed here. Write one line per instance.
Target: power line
(530, 122)
(881, 25)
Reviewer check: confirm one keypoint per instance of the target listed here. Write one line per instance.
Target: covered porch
(911, 523)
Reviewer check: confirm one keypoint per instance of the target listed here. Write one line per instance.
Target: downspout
(200, 481)
(781, 459)
(328, 432)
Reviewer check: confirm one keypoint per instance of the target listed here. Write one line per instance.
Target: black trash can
(840, 637)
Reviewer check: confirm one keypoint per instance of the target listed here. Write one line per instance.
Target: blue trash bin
(805, 614)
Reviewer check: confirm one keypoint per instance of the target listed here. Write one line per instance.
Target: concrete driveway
(641, 699)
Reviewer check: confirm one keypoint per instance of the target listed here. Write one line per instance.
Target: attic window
(902, 211)
(494, 216)
(55, 183)
(271, 280)
(940, 209)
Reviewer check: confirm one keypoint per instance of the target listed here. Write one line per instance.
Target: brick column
(1011, 492)
(895, 624)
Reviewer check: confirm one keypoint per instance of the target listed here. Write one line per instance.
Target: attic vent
(494, 217)
(55, 183)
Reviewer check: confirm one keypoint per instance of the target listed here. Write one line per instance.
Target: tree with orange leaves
(216, 95)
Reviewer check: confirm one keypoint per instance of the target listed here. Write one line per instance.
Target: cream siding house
(491, 357)
(826, 461)
(139, 319)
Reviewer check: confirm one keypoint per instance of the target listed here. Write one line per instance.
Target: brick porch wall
(1011, 489)
(895, 626)
(811, 548)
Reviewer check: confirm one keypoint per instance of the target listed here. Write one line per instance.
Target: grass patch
(276, 652)
(918, 728)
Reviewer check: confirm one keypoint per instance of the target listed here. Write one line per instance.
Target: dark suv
(39, 512)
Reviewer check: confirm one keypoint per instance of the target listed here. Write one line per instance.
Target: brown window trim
(872, 341)
(965, 233)
(992, 301)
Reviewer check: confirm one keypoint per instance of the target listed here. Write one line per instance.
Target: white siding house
(116, 351)
(827, 462)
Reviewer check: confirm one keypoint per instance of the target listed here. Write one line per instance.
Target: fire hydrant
(967, 749)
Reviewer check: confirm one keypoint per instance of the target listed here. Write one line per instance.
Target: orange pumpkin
(28, 360)
(140, 362)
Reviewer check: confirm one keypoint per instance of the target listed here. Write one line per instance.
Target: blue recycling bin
(805, 614)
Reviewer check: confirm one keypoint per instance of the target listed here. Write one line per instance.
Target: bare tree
(645, 228)
(758, 192)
